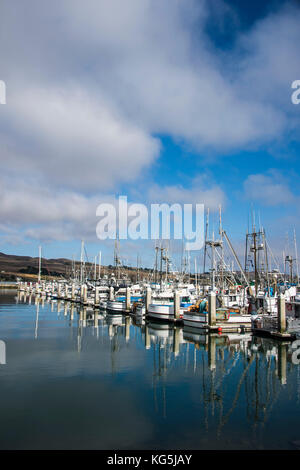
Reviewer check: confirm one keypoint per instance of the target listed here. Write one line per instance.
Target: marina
(149, 215)
(228, 297)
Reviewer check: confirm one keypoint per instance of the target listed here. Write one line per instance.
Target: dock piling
(176, 305)
(111, 294)
(281, 314)
(212, 309)
(128, 299)
(97, 296)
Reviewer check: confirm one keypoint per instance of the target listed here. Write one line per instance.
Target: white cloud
(200, 191)
(90, 83)
(270, 189)
(66, 137)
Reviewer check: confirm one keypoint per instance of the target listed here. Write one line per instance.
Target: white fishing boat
(117, 306)
(196, 316)
(162, 308)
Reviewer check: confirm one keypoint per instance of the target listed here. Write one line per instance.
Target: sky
(162, 101)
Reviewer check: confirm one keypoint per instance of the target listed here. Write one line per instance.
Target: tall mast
(82, 262)
(255, 257)
(206, 235)
(161, 262)
(222, 247)
(95, 268)
(296, 256)
(116, 256)
(137, 268)
(156, 262)
(266, 260)
(40, 264)
(100, 255)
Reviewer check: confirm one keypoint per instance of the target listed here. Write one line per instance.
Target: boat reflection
(229, 371)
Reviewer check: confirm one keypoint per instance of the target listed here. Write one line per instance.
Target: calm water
(70, 384)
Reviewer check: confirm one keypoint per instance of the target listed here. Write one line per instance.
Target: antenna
(296, 256)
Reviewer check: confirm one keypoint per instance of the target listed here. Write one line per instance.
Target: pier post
(111, 293)
(97, 296)
(281, 314)
(128, 299)
(84, 294)
(212, 309)
(148, 298)
(176, 305)
(66, 292)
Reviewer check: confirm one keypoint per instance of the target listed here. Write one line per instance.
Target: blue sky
(160, 101)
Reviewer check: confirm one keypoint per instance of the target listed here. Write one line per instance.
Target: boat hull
(200, 320)
(163, 313)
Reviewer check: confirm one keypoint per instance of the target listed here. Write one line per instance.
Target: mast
(137, 268)
(213, 262)
(296, 257)
(206, 235)
(222, 248)
(100, 255)
(40, 264)
(156, 263)
(73, 267)
(266, 260)
(255, 262)
(82, 262)
(116, 257)
(161, 263)
(235, 256)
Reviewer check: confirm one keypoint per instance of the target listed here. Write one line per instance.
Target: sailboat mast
(206, 235)
(40, 264)
(100, 255)
(81, 261)
(296, 257)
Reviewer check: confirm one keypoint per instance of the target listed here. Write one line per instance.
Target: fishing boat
(162, 308)
(119, 304)
(196, 316)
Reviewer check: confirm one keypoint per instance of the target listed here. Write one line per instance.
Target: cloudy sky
(165, 101)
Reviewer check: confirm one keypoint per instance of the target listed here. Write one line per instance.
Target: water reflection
(193, 390)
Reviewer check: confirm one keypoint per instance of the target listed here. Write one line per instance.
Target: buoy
(220, 330)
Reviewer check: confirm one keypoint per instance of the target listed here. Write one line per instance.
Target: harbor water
(69, 380)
